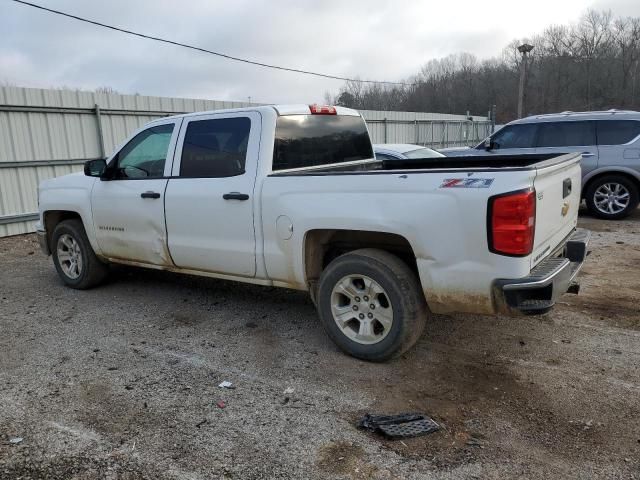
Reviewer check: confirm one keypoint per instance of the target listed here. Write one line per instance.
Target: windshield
(311, 140)
(423, 153)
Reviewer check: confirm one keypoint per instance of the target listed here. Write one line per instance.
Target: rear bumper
(539, 291)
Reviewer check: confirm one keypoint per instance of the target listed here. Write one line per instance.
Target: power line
(204, 50)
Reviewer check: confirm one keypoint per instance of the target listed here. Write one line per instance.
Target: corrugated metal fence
(437, 130)
(48, 133)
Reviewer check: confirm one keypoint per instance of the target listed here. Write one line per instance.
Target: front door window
(145, 155)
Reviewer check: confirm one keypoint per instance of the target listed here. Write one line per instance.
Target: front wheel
(74, 259)
(612, 197)
(371, 304)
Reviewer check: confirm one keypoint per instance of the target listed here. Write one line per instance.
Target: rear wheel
(612, 197)
(371, 304)
(74, 259)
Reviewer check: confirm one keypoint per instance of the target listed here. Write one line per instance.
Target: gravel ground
(120, 382)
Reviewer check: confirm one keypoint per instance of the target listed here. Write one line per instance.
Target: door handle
(587, 154)
(566, 187)
(235, 196)
(150, 195)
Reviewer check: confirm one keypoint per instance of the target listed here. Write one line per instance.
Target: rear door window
(515, 136)
(312, 140)
(566, 134)
(215, 148)
(617, 132)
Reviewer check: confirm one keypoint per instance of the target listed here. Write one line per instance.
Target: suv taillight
(512, 223)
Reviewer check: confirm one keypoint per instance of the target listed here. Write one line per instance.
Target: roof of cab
(294, 109)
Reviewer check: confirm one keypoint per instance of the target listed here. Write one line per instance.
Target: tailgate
(557, 184)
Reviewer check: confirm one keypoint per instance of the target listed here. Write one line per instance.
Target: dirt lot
(121, 381)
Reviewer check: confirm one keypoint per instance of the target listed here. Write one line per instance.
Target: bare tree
(594, 64)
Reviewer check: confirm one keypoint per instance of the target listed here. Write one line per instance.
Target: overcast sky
(382, 40)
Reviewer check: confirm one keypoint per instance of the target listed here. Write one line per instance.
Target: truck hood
(453, 149)
(457, 151)
(71, 180)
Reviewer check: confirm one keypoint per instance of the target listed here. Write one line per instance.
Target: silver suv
(610, 146)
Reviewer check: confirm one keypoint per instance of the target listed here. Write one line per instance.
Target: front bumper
(538, 292)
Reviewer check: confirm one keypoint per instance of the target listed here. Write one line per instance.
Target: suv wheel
(612, 197)
(371, 304)
(74, 259)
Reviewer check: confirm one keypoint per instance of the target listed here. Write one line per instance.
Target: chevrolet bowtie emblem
(565, 209)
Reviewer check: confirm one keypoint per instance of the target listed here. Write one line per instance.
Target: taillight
(512, 223)
(322, 109)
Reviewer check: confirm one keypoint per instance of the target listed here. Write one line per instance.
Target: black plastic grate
(399, 426)
(410, 429)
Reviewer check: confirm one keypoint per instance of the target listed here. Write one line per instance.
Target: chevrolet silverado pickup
(292, 196)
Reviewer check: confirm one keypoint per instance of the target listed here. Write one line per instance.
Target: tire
(388, 281)
(627, 193)
(70, 238)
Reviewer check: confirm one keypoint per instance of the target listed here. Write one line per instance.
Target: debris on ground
(227, 384)
(199, 424)
(15, 440)
(399, 426)
(221, 404)
(473, 442)
(288, 391)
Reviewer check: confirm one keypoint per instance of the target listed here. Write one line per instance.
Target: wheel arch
(323, 245)
(51, 218)
(629, 173)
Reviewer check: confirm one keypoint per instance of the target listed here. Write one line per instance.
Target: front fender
(71, 193)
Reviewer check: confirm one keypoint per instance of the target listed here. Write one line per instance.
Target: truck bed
(424, 165)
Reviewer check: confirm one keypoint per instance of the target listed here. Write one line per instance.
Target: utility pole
(492, 115)
(524, 49)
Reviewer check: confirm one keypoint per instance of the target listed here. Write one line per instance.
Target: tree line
(590, 65)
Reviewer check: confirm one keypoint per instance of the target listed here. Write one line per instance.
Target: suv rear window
(566, 134)
(617, 132)
(310, 140)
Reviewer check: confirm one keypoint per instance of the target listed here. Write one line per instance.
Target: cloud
(359, 38)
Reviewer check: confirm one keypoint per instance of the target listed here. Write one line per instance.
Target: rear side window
(617, 132)
(310, 140)
(515, 136)
(566, 134)
(215, 148)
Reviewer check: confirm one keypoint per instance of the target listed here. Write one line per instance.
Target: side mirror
(488, 143)
(95, 168)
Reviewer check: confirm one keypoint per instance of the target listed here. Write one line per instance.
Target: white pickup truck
(292, 196)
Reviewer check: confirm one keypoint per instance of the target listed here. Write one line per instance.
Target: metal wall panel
(40, 126)
(432, 130)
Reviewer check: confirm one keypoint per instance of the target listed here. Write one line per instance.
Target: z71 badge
(467, 183)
